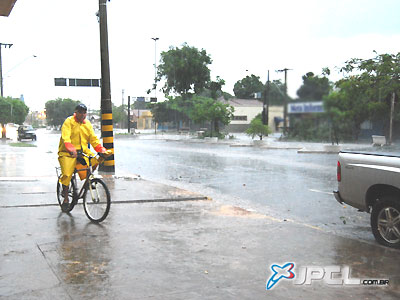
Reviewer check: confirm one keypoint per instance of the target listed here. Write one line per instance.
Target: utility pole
(285, 101)
(1, 67)
(266, 104)
(155, 65)
(106, 104)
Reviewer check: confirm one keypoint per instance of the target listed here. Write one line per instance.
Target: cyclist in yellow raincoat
(76, 134)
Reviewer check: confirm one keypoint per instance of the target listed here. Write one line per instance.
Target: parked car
(26, 132)
(371, 183)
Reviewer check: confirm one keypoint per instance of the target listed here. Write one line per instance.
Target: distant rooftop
(243, 102)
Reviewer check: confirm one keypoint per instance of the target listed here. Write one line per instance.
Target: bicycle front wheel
(97, 200)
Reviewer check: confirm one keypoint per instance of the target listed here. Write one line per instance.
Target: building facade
(246, 110)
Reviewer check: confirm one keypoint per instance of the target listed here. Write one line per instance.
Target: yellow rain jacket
(75, 135)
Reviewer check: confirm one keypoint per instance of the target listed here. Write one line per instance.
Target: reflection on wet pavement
(83, 252)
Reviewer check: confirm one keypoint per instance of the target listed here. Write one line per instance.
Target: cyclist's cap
(81, 108)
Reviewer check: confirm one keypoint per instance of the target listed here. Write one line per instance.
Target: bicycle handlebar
(80, 153)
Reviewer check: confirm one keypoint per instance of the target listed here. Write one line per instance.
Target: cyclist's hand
(107, 153)
(71, 149)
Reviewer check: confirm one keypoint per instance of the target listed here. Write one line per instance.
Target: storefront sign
(305, 107)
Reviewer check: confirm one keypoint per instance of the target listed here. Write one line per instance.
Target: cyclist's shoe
(65, 207)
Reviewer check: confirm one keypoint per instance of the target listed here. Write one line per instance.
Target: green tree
(185, 70)
(276, 93)
(58, 110)
(347, 108)
(215, 87)
(208, 109)
(120, 114)
(246, 87)
(364, 94)
(162, 112)
(214, 90)
(12, 111)
(258, 128)
(310, 129)
(314, 87)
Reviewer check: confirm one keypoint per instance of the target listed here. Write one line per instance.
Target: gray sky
(253, 35)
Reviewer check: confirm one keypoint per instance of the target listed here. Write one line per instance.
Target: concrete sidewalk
(161, 242)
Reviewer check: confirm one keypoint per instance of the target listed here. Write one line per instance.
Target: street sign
(77, 82)
(60, 81)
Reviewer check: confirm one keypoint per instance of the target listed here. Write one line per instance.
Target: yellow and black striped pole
(108, 140)
(106, 104)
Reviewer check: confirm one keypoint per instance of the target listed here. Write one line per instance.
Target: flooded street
(164, 239)
(277, 182)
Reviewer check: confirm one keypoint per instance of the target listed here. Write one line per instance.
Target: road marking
(322, 192)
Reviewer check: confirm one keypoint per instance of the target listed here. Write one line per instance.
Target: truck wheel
(385, 221)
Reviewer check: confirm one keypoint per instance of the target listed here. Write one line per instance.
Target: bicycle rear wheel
(60, 196)
(97, 200)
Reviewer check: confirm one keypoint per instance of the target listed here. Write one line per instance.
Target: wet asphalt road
(173, 251)
(280, 183)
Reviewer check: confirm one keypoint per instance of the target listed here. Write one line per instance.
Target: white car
(371, 183)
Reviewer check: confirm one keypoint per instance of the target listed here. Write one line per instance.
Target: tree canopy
(208, 109)
(58, 110)
(364, 93)
(246, 87)
(258, 128)
(276, 93)
(314, 87)
(119, 114)
(185, 70)
(12, 110)
(198, 109)
(162, 112)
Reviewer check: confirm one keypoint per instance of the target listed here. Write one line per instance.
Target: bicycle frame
(86, 184)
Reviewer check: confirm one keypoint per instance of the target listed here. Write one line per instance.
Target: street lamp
(155, 39)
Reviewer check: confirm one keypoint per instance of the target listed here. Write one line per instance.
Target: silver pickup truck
(371, 183)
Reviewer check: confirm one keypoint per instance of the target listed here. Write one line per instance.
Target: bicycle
(97, 204)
